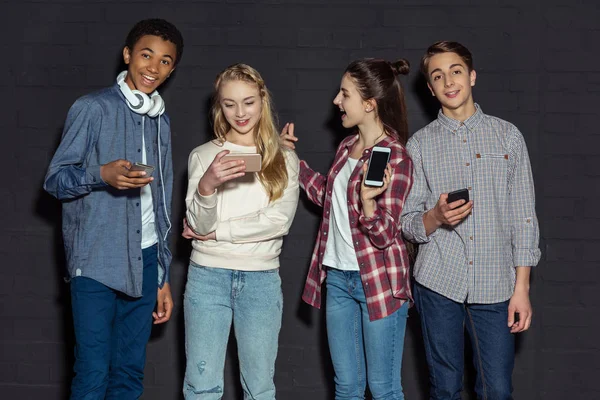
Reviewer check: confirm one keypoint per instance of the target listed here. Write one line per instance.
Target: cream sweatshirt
(249, 229)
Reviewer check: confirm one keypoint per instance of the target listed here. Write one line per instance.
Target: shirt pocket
(493, 171)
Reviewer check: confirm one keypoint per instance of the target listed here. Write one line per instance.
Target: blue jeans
(443, 323)
(111, 333)
(362, 351)
(214, 298)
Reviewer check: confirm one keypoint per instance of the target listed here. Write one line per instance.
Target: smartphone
(138, 166)
(458, 195)
(380, 156)
(253, 160)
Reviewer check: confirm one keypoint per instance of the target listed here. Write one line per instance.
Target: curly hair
(156, 27)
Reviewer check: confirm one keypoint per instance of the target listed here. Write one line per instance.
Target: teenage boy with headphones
(473, 265)
(116, 218)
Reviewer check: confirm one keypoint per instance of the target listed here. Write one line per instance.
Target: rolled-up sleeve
(68, 177)
(525, 234)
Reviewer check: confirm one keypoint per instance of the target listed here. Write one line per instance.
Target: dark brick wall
(537, 65)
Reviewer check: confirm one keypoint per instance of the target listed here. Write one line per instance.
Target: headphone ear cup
(144, 103)
(158, 105)
(140, 102)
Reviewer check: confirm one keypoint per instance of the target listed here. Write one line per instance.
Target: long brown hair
(377, 79)
(273, 175)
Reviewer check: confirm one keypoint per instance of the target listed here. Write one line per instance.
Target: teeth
(149, 78)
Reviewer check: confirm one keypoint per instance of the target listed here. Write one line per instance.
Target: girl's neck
(370, 133)
(241, 140)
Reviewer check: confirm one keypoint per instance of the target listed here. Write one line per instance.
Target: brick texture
(537, 65)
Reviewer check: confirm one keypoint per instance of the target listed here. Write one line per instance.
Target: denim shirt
(102, 226)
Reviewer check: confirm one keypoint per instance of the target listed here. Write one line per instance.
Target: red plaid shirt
(380, 249)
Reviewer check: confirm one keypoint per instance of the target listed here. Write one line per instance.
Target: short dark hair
(446, 46)
(156, 27)
(377, 79)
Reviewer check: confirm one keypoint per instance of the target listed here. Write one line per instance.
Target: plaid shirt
(475, 260)
(380, 250)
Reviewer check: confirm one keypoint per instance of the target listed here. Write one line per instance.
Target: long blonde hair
(273, 174)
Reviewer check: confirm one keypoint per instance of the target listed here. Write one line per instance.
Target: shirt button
(470, 262)
(468, 164)
(464, 140)
(325, 233)
(137, 204)
(139, 150)
(356, 243)
(454, 130)
(330, 192)
(139, 258)
(471, 237)
(139, 123)
(469, 188)
(528, 220)
(138, 231)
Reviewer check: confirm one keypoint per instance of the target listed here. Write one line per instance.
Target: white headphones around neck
(140, 102)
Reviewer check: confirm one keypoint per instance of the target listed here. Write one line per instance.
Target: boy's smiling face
(150, 63)
(450, 81)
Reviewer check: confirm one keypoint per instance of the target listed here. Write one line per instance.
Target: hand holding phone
(219, 171)
(116, 174)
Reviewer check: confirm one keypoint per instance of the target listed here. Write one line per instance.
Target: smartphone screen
(377, 165)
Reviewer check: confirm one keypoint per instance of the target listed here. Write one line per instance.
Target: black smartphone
(460, 194)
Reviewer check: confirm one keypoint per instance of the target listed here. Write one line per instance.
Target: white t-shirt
(149, 237)
(339, 252)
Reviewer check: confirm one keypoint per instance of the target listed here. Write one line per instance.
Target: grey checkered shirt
(475, 260)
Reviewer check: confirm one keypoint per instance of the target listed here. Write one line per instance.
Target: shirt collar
(471, 123)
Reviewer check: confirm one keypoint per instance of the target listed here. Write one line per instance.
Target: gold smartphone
(253, 160)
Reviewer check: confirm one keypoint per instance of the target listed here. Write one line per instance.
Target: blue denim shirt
(102, 226)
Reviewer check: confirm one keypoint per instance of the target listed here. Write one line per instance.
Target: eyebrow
(152, 51)
(247, 98)
(344, 90)
(452, 66)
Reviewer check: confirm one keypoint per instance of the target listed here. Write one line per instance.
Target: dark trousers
(443, 322)
(111, 333)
